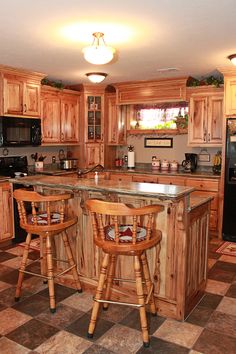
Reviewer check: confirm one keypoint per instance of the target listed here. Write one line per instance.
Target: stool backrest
(108, 221)
(44, 211)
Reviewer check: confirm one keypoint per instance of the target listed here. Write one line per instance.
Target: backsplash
(177, 152)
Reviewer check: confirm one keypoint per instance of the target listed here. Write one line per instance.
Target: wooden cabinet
(116, 120)
(145, 179)
(60, 116)
(94, 154)
(175, 180)
(121, 177)
(94, 112)
(206, 119)
(6, 211)
(230, 95)
(20, 92)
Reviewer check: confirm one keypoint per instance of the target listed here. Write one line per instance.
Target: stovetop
(11, 164)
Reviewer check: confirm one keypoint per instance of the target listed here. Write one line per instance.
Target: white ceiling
(194, 36)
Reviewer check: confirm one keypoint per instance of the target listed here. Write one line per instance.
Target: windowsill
(157, 131)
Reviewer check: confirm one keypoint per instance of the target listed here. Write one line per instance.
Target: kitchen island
(178, 265)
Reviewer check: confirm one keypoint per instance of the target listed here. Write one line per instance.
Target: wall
(144, 155)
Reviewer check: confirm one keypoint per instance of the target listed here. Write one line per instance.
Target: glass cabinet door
(94, 118)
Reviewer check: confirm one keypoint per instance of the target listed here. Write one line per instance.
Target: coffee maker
(190, 162)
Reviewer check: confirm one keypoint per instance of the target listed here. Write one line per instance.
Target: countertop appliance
(20, 131)
(229, 214)
(190, 162)
(15, 166)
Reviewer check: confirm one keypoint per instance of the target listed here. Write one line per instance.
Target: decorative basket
(181, 123)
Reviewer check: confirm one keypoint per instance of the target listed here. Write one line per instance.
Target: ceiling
(194, 37)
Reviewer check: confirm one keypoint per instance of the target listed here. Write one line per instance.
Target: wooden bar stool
(130, 239)
(46, 216)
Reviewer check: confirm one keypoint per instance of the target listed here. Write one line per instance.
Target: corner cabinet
(116, 120)
(206, 118)
(20, 92)
(94, 117)
(60, 116)
(6, 211)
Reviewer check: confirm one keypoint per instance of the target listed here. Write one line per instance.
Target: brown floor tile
(15, 262)
(160, 346)
(61, 292)
(4, 256)
(226, 266)
(217, 287)
(10, 319)
(222, 323)
(114, 313)
(231, 291)
(211, 262)
(64, 342)
(121, 339)
(9, 347)
(8, 296)
(16, 250)
(200, 316)
(63, 316)
(33, 305)
(210, 342)
(34, 285)
(32, 334)
(181, 333)
(221, 275)
(80, 301)
(4, 285)
(4, 270)
(80, 327)
(12, 277)
(226, 258)
(132, 320)
(97, 349)
(227, 305)
(210, 301)
(2, 307)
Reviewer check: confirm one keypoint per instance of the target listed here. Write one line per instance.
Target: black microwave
(20, 131)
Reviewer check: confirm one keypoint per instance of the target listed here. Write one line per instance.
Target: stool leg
(110, 276)
(22, 267)
(140, 295)
(43, 261)
(98, 295)
(148, 282)
(51, 289)
(71, 261)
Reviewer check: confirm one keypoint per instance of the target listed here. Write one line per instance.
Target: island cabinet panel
(121, 177)
(174, 180)
(145, 179)
(170, 90)
(6, 212)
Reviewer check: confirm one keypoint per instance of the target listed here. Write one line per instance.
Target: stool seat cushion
(125, 233)
(42, 218)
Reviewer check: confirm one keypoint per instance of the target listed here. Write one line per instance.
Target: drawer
(203, 184)
(121, 177)
(145, 179)
(178, 181)
(214, 202)
(213, 220)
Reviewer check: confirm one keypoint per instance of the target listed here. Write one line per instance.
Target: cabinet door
(6, 212)
(94, 154)
(215, 119)
(230, 96)
(31, 99)
(69, 119)
(50, 116)
(144, 179)
(112, 120)
(197, 127)
(13, 95)
(94, 118)
(178, 181)
(121, 177)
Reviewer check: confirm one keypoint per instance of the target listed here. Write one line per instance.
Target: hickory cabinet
(94, 112)
(116, 120)
(6, 211)
(60, 116)
(20, 92)
(94, 154)
(230, 95)
(206, 118)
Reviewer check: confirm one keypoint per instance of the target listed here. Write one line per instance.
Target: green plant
(209, 80)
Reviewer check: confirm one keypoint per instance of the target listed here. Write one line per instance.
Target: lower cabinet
(94, 153)
(6, 211)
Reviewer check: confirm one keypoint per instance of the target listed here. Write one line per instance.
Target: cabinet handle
(25, 108)
(204, 136)
(62, 136)
(209, 136)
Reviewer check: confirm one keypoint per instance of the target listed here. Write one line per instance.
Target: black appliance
(20, 131)
(8, 166)
(229, 213)
(190, 162)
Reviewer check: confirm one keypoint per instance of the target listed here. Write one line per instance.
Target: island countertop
(149, 190)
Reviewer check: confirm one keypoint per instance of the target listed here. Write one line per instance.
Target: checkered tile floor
(29, 327)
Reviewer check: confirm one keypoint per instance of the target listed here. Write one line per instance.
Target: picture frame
(158, 142)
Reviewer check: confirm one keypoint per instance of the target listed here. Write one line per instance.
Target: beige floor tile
(82, 302)
(217, 287)
(10, 319)
(195, 352)
(17, 251)
(211, 262)
(9, 347)
(4, 285)
(181, 333)
(226, 258)
(121, 339)
(227, 305)
(34, 284)
(15, 262)
(64, 343)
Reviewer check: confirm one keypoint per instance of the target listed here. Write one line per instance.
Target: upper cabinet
(116, 118)
(230, 96)
(60, 116)
(20, 92)
(166, 90)
(205, 117)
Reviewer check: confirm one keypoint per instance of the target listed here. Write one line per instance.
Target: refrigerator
(229, 213)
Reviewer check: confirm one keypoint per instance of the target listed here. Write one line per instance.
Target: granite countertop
(4, 178)
(149, 190)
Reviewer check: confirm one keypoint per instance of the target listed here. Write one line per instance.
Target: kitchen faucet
(98, 167)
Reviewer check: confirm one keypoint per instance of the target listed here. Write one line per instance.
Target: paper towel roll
(131, 159)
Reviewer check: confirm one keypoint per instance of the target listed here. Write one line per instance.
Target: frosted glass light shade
(232, 58)
(98, 53)
(96, 78)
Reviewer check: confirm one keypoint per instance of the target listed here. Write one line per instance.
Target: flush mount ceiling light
(232, 58)
(96, 78)
(98, 53)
